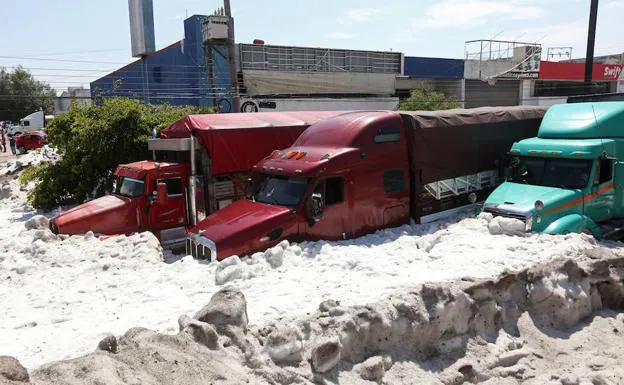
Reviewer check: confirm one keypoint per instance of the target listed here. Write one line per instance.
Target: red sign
(576, 71)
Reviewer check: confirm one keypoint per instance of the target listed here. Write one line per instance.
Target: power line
(79, 52)
(60, 60)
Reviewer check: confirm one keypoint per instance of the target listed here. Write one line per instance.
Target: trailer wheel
(21, 149)
(249, 107)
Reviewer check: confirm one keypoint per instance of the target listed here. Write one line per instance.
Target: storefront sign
(576, 71)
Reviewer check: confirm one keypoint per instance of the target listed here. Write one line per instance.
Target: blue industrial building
(179, 74)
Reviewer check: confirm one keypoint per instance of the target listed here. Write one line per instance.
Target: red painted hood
(243, 227)
(110, 214)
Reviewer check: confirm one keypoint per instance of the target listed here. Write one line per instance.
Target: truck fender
(573, 223)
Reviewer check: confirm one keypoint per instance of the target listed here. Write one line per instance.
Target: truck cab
(148, 195)
(569, 178)
(342, 178)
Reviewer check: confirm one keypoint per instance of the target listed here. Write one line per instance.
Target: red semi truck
(362, 171)
(201, 163)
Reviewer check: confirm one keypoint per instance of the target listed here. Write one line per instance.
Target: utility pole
(232, 58)
(591, 38)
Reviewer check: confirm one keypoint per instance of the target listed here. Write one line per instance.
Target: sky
(72, 42)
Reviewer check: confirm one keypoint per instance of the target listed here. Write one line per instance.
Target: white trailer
(34, 122)
(318, 104)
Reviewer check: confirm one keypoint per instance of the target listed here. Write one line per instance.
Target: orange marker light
(533, 152)
(300, 155)
(554, 153)
(578, 153)
(291, 154)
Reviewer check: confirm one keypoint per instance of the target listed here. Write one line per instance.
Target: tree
(21, 95)
(92, 141)
(428, 100)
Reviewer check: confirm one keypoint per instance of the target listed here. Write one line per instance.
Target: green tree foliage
(92, 141)
(21, 95)
(428, 100)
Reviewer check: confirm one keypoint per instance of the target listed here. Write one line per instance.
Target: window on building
(388, 135)
(569, 88)
(174, 185)
(606, 170)
(157, 74)
(334, 191)
(393, 181)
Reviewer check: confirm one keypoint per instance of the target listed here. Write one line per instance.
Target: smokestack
(141, 27)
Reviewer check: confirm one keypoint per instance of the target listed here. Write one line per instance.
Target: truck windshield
(278, 190)
(551, 172)
(129, 187)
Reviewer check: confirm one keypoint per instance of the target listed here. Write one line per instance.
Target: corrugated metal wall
(287, 58)
(310, 83)
(503, 93)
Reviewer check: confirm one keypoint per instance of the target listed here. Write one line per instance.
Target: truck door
(332, 224)
(602, 199)
(172, 214)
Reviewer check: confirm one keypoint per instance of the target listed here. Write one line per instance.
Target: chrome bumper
(201, 247)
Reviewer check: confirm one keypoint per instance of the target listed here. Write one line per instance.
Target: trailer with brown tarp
(455, 152)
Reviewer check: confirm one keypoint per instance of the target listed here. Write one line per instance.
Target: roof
(564, 148)
(584, 121)
(183, 127)
(140, 168)
(462, 117)
(148, 55)
(341, 130)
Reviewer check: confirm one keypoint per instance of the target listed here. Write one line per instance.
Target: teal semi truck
(570, 178)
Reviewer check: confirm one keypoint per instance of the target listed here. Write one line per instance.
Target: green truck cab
(570, 178)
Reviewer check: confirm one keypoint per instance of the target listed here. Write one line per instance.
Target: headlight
(528, 224)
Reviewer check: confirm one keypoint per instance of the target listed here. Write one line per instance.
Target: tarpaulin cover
(235, 142)
(453, 143)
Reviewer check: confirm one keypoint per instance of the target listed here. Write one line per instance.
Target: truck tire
(21, 149)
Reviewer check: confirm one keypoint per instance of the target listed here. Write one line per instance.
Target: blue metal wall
(176, 74)
(429, 67)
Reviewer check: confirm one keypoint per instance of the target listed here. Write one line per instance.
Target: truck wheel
(22, 149)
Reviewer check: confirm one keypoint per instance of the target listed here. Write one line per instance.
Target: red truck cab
(148, 195)
(331, 184)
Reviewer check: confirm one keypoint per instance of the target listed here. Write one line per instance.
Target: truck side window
(26, 123)
(174, 185)
(334, 191)
(388, 135)
(606, 170)
(393, 181)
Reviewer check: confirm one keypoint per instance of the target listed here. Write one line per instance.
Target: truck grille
(197, 250)
(497, 213)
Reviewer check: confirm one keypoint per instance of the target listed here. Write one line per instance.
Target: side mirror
(161, 194)
(315, 208)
